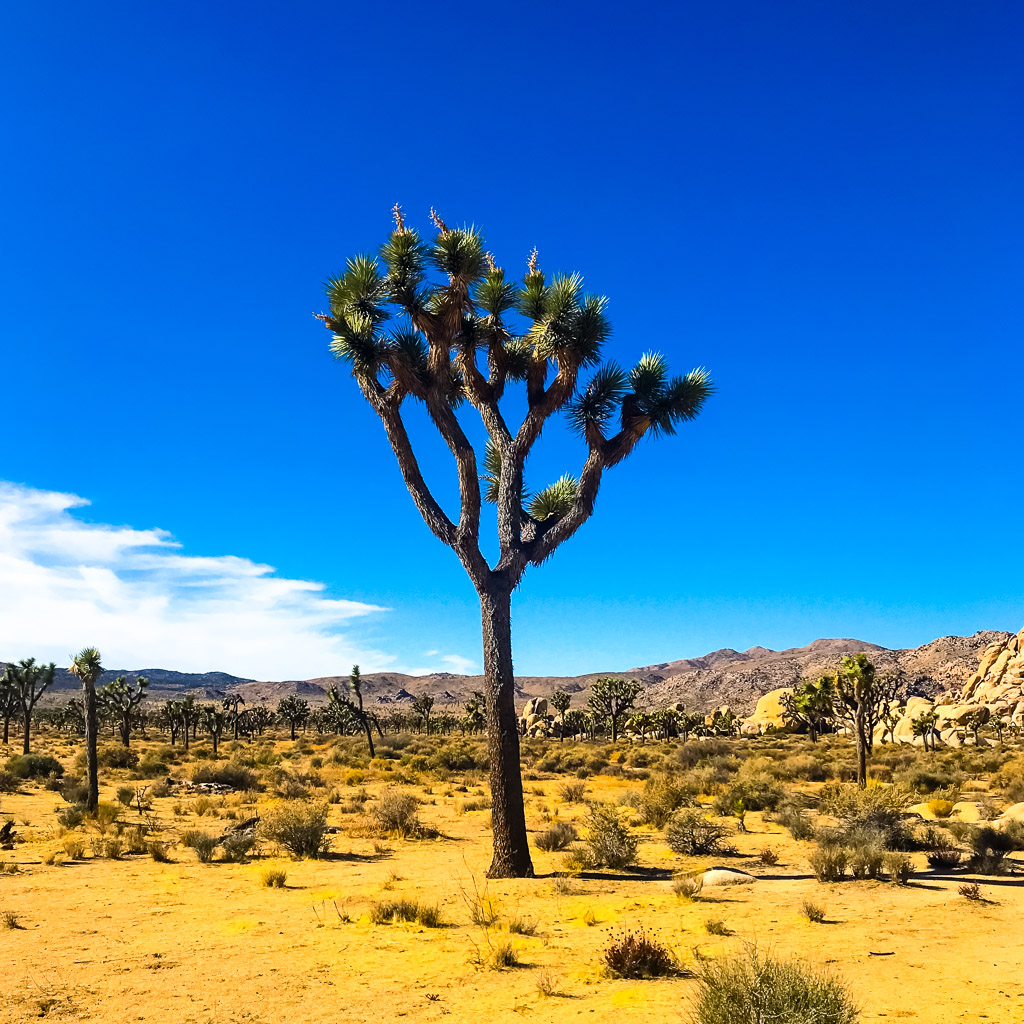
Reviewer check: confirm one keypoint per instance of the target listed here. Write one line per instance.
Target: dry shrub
(691, 833)
(638, 954)
(752, 987)
(945, 859)
(768, 857)
(970, 891)
(940, 808)
(688, 887)
(273, 878)
(814, 912)
(572, 792)
(405, 910)
(898, 867)
(558, 837)
(828, 862)
(609, 842)
(301, 829)
(396, 814)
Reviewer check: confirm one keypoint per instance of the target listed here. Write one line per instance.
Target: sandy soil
(136, 940)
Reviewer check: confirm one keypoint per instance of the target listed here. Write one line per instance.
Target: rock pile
(996, 690)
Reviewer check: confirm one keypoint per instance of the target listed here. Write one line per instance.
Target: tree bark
(91, 728)
(862, 750)
(511, 846)
(28, 732)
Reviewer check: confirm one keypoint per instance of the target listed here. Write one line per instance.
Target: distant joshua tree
(121, 701)
(88, 667)
(611, 698)
(293, 710)
(28, 682)
(560, 701)
(421, 707)
(454, 340)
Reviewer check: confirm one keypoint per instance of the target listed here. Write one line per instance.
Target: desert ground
(115, 919)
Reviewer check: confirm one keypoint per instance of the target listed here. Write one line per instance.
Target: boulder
(768, 714)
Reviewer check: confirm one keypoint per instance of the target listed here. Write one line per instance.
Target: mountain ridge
(725, 676)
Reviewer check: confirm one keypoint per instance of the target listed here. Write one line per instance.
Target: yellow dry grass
(132, 940)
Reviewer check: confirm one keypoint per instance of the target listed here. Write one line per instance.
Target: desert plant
(34, 766)
(74, 847)
(609, 842)
(945, 859)
(715, 927)
(573, 792)
(158, 852)
(86, 666)
(898, 867)
(660, 798)
(430, 353)
(970, 891)
(768, 857)
(828, 862)
(71, 817)
(301, 829)
(520, 925)
(399, 910)
(237, 846)
(638, 954)
(692, 833)
(688, 887)
(753, 987)
(273, 878)
(814, 912)
(940, 808)
(126, 795)
(558, 837)
(796, 821)
(204, 845)
(396, 813)
(10, 919)
(865, 859)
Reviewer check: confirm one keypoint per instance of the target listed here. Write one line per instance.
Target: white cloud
(66, 584)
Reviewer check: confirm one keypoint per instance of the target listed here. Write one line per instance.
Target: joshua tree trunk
(91, 728)
(511, 847)
(862, 748)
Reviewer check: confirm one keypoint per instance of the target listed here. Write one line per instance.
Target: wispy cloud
(145, 603)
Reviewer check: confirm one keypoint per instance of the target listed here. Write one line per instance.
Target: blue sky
(819, 202)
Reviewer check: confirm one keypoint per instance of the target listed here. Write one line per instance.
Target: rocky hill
(736, 678)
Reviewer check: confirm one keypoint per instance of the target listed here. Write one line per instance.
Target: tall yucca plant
(463, 336)
(86, 665)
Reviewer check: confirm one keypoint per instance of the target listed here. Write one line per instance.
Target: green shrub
(34, 766)
(205, 845)
(638, 954)
(572, 792)
(126, 795)
(274, 878)
(796, 821)
(459, 756)
(116, 755)
(898, 867)
(301, 829)
(752, 987)
(609, 843)
(691, 833)
(990, 847)
(814, 912)
(74, 790)
(8, 782)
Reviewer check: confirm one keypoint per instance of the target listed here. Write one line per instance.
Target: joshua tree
(611, 699)
(355, 685)
(560, 701)
(454, 340)
(169, 719)
(121, 701)
(259, 716)
(476, 712)
(10, 703)
(214, 719)
(231, 702)
(293, 710)
(924, 726)
(811, 704)
(29, 682)
(640, 722)
(860, 696)
(87, 666)
(421, 708)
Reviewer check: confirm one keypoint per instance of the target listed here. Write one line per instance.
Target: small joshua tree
(560, 701)
(293, 710)
(421, 708)
(463, 338)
